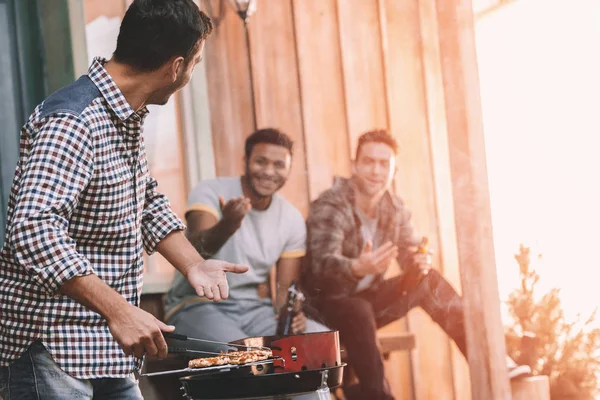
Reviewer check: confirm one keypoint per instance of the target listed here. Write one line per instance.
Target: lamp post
(245, 9)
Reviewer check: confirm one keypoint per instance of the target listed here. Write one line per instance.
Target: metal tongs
(183, 338)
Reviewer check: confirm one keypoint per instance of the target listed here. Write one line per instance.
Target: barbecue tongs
(179, 350)
(184, 338)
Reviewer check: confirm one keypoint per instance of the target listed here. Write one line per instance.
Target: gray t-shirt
(263, 238)
(368, 230)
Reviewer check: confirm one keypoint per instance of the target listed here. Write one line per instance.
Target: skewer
(225, 367)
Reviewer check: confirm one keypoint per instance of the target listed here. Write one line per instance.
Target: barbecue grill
(301, 364)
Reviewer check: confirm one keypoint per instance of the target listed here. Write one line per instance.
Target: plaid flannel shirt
(82, 202)
(334, 239)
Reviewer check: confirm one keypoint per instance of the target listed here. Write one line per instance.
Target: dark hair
(154, 31)
(268, 135)
(376, 136)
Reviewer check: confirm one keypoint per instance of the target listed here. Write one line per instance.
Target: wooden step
(396, 341)
(390, 342)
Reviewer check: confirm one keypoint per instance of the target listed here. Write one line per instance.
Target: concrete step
(534, 388)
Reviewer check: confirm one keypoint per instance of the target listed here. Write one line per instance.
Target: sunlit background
(539, 64)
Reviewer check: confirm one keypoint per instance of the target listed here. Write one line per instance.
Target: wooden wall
(324, 72)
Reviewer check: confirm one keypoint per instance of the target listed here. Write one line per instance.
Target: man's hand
(422, 260)
(135, 330)
(209, 280)
(417, 267)
(299, 323)
(138, 332)
(374, 262)
(235, 210)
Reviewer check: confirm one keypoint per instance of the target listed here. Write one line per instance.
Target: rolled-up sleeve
(57, 169)
(158, 219)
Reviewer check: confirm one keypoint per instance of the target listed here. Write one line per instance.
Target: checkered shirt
(82, 202)
(334, 239)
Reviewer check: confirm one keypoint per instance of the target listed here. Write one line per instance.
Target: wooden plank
(414, 179)
(399, 366)
(322, 93)
(471, 200)
(398, 371)
(364, 80)
(277, 89)
(229, 91)
(436, 113)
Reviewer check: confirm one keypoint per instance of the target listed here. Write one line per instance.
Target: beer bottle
(288, 311)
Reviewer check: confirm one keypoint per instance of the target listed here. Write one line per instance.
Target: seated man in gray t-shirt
(243, 220)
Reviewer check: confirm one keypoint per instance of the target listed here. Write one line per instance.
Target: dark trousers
(358, 317)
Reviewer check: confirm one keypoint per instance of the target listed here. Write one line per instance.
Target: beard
(251, 177)
(167, 93)
(368, 188)
(162, 96)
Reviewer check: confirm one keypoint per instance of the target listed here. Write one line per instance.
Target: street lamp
(244, 8)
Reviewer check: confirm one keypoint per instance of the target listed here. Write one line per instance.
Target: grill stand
(322, 393)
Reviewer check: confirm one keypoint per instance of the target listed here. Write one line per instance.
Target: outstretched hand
(374, 262)
(235, 209)
(209, 278)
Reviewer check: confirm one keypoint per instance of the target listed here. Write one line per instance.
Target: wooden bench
(390, 342)
(395, 341)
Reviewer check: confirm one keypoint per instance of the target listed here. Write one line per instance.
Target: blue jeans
(36, 376)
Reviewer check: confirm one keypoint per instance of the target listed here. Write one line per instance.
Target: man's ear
(395, 160)
(176, 67)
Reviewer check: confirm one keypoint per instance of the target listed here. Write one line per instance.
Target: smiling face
(373, 169)
(267, 168)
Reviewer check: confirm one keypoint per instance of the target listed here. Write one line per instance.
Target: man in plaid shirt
(82, 209)
(355, 230)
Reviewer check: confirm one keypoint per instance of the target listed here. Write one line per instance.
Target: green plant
(568, 352)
